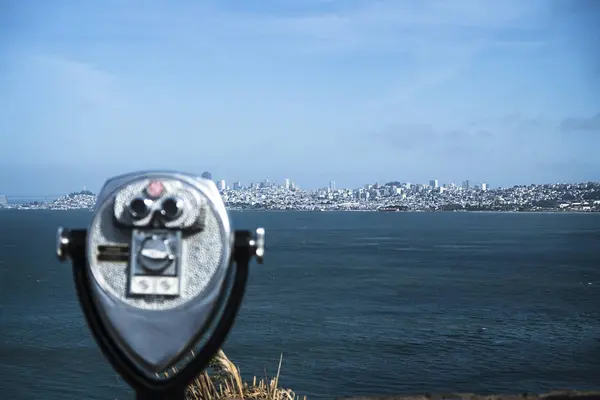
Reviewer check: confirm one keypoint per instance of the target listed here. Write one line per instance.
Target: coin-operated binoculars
(160, 277)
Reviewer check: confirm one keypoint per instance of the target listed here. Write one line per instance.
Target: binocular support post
(72, 244)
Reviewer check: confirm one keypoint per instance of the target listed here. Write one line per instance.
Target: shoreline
(224, 374)
(346, 211)
(554, 395)
(388, 198)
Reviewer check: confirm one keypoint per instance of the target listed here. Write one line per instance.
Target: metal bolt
(62, 243)
(259, 245)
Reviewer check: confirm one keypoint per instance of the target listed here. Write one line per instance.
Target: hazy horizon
(505, 92)
(31, 192)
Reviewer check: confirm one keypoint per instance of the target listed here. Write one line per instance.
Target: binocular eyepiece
(160, 276)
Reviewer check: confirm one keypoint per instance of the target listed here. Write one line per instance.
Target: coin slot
(116, 253)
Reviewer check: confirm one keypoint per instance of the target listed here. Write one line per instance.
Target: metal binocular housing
(160, 276)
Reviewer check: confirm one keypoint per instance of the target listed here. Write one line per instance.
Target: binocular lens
(138, 208)
(171, 208)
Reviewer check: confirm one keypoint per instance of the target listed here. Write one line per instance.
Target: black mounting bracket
(72, 244)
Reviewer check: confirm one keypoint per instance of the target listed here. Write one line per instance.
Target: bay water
(357, 303)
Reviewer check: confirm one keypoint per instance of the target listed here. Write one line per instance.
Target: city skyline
(329, 186)
(288, 183)
(391, 197)
(359, 91)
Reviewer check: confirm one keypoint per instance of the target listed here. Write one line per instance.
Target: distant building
(237, 185)
(207, 175)
(288, 183)
(465, 184)
(484, 186)
(3, 199)
(433, 183)
(332, 185)
(221, 185)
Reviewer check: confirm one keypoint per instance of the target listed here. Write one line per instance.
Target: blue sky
(357, 91)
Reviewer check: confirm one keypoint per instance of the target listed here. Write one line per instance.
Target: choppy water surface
(359, 303)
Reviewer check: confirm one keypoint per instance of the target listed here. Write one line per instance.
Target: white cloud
(435, 41)
(341, 27)
(79, 82)
(78, 107)
(376, 23)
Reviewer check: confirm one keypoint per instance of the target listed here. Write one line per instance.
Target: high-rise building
(237, 185)
(207, 175)
(433, 183)
(484, 186)
(465, 184)
(221, 185)
(287, 184)
(332, 185)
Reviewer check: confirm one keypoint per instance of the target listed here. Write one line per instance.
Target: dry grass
(225, 383)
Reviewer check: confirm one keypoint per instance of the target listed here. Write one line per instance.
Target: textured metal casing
(157, 331)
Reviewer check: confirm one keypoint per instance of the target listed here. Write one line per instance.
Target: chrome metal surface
(259, 245)
(158, 318)
(62, 243)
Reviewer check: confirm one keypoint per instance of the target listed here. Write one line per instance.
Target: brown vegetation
(225, 383)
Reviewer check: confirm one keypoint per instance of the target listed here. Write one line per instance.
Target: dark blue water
(359, 303)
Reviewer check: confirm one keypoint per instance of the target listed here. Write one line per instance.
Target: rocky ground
(558, 395)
